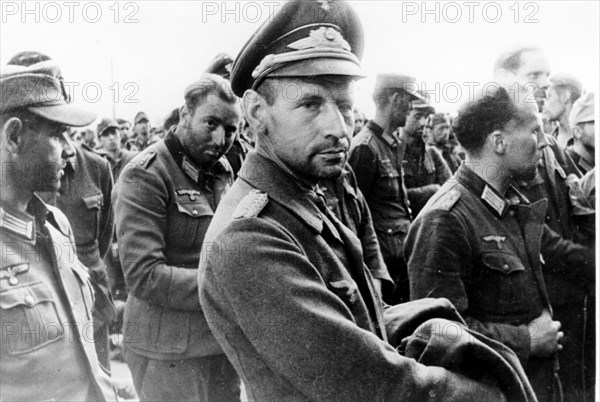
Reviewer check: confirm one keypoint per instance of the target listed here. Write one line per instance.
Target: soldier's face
(554, 106)
(310, 124)
(525, 141)
(111, 139)
(415, 122)
(43, 155)
(530, 81)
(440, 134)
(209, 132)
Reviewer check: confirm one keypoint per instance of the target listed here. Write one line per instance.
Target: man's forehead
(533, 60)
(299, 87)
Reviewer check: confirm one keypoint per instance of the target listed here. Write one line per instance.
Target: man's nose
(335, 122)
(68, 149)
(218, 136)
(541, 139)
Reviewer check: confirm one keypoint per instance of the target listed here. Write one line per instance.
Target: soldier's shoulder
(445, 199)
(93, 157)
(146, 158)
(251, 205)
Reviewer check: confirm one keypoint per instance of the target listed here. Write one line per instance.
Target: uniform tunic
(297, 323)
(484, 254)
(46, 301)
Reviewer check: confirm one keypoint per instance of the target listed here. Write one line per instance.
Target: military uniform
(84, 197)
(285, 289)
(424, 171)
(377, 162)
(348, 204)
(46, 301)
(163, 206)
(485, 254)
(568, 299)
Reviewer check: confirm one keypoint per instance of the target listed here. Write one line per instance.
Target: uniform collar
(22, 225)
(187, 164)
(494, 201)
(263, 174)
(392, 140)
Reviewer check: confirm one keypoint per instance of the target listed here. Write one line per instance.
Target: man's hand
(545, 335)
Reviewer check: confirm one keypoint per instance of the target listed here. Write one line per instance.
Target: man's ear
(184, 113)
(254, 108)
(497, 141)
(576, 131)
(12, 134)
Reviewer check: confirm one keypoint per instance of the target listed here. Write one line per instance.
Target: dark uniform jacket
(485, 253)
(424, 171)
(346, 201)
(377, 162)
(287, 294)
(46, 300)
(163, 206)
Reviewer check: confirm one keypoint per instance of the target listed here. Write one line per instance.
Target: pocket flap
(28, 295)
(93, 201)
(503, 262)
(388, 169)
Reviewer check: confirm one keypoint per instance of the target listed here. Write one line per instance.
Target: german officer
(163, 205)
(282, 281)
(46, 299)
(481, 244)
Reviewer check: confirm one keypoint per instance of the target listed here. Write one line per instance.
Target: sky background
(158, 48)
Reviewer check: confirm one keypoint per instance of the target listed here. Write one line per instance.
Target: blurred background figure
(439, 129)
(141, 130)
(583, 128)
(564, 90)
(359, 121)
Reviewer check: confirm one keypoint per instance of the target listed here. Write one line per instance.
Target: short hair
(172, 119)
(510, 59)
(208, 84)
(566, 82)
(477, 119)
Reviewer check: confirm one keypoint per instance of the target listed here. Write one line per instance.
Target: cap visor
(320, 66)
(68, 115)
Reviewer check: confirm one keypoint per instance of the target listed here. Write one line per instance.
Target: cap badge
(322, 37)
(324, 4)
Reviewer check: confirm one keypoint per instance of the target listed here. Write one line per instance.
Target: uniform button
(511, 213)
(195, 212)
(505, 266)
(29, 300)
(389, 231)
(547, 218)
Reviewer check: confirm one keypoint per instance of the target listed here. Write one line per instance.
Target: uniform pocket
(390, 178)
(29, 318)
(502, 281)
(94, 204)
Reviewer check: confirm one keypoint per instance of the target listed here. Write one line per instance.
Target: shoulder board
(147, 158)
(446, 201)
(251, 205)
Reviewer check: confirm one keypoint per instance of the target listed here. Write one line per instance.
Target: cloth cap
(106, 124)
(140, 116)
(399, 81)
(583, 110)
(303, 39)
(39, 89)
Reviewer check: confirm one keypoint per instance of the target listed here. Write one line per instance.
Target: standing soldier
(46, 299)
(376, 158)
(84, 197)
(163, 206)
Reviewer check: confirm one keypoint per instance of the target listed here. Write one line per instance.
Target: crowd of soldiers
(293, 249)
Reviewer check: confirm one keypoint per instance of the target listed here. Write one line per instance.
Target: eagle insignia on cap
(322, 37)
(324, 4)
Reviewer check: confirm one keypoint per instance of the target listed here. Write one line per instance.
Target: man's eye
(312, 105)
(211, 124)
